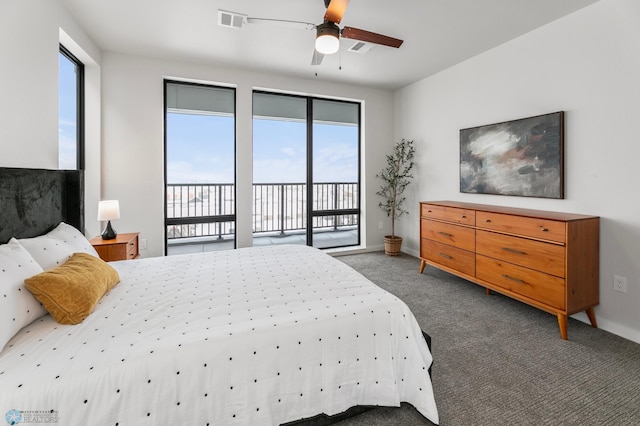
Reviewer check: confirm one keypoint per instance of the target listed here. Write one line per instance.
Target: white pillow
(18, 307)
(57, 246)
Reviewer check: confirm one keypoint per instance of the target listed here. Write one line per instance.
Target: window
(70, 111)
(306, 171)
(199, 167)
(336, 170)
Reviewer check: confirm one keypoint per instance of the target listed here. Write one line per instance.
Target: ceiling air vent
(231, 19)
(360, 47)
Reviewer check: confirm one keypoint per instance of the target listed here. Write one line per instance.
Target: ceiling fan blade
(335, 10)
(317, 57)
(368, 36)
(282, 23)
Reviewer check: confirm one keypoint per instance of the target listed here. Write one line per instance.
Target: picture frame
(523, 157)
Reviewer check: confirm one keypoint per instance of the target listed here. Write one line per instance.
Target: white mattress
(250, 336)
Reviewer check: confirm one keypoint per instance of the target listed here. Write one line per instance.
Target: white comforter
(251, 336)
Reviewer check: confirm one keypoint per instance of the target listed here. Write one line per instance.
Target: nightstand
(122, 247)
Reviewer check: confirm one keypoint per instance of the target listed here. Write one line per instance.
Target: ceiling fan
(328, 33)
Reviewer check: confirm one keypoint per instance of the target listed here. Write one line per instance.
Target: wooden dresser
(545, 259)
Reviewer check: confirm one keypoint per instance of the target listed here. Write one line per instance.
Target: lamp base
(109, 233)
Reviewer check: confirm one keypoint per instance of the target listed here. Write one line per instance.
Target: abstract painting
(521, 157)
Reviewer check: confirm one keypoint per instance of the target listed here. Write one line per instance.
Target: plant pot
(392, 245)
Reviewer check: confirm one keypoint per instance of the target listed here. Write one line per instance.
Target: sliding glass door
(200, 167)
(336, 170)
(279, 169)
(306, 171)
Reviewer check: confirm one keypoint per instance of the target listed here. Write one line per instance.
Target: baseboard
(611, 327)
(377, 247)
(354, 250)
(412, 252)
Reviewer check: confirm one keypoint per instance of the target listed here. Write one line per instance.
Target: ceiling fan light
(327, 41)
(327, 44)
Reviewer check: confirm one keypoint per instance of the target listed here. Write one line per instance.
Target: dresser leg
(562, 322)
(592, 317)
(422, 265)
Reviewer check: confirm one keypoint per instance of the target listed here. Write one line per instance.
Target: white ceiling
(437, 33)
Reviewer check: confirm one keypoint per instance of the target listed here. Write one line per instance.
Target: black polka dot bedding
(256, 336)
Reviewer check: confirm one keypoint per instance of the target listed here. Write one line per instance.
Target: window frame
(219, 218)
(80, 106)
(310, 213)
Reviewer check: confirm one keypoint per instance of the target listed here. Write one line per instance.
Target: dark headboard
(34, 201)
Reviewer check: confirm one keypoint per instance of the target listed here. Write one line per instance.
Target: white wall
(587, 64)
(29, 46)
(30, 33)
(133, 144)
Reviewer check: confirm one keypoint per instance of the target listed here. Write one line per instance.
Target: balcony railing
(208, 210)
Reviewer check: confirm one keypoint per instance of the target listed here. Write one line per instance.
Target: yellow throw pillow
(71, 291)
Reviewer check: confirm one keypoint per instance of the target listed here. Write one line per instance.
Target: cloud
(291, 152)
(186, 172)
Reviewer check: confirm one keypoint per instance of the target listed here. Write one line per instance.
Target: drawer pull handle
(488, 220)
(511, 250)
(464, 216)
(446, 256)
(543, 229)
(518, 280)
(428, 211)
(446, 234)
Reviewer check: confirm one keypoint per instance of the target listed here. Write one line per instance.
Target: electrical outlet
(620, 283)
(143, 243)
(380, 225)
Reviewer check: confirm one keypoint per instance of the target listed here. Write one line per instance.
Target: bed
(265, 336)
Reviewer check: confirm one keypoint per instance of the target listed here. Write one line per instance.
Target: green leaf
(396, 176)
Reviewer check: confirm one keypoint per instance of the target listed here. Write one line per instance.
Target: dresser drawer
(545, 257)
(450, 214)
(527, 226)
(132, 248)
(123, 247)
(536, 285)
(451, 257)
(450, 234)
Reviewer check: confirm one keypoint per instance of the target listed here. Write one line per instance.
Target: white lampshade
(327, 44)
(108, 210)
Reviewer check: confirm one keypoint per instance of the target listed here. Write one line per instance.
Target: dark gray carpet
(501, 362)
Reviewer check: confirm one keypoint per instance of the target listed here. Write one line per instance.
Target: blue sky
(67, 113)
(200, 149)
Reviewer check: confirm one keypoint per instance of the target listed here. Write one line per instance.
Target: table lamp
(108, 210)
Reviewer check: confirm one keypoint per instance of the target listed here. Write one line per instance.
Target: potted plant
(395, 178)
